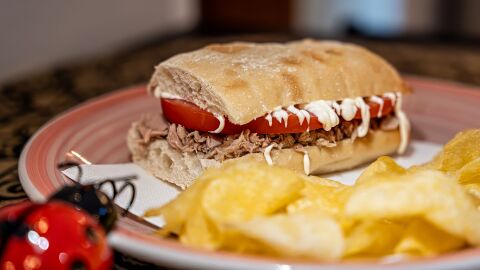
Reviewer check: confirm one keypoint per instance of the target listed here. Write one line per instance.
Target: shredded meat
(221, 147)
(152, 125)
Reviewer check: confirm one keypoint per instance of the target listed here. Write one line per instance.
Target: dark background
(37, 36)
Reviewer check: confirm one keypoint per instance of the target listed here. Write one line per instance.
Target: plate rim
(121, 239)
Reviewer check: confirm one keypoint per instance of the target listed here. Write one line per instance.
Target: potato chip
(474, 191)
(199, 231)
(307, 234)
(429, 194)
(248, 190)
(459, 151)
(256, 208)
(422, 238)
(323, 181)
(373, 238)
(383, 165)
(176, 212)
(470, 173)
(236, 241)
(320, 194)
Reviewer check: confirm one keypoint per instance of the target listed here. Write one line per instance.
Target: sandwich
(312, 106)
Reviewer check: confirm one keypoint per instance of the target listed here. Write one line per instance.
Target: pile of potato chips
(255, 208)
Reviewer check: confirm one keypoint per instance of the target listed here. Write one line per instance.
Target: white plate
(97, 129)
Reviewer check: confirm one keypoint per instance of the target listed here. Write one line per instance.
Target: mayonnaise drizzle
(325, 114)
(403, 123)
(300, 113)
(266, 154)
(348, 109)
(268, 117)
(392, 97)
(306, 163)
(335, 106)
(328, 113)
(379, 101)
(221, 123)
(280, 114)
(365, 112)
(307, 117)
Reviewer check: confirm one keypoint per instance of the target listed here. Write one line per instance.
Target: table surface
(29, 102)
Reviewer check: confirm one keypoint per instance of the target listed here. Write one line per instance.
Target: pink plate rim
(164, 251)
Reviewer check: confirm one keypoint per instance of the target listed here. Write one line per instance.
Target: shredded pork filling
(220, 147)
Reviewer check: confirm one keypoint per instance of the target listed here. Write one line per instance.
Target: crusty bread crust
(182, 169)
(244, 81)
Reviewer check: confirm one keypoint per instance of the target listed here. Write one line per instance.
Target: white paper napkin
(152, 192)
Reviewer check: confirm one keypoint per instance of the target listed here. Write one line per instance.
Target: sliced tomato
(374, 107)
(262, 126)
(193, 117)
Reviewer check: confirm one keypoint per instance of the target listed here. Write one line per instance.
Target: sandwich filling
(337, 119)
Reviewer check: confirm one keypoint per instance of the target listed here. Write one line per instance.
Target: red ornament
(54, 235)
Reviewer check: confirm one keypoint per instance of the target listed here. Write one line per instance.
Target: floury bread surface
(243, 81)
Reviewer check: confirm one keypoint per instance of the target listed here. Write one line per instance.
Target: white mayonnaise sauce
(280, 114)
(391, 96)
(306, 163)
(379, 101)
(348, 109)
(335, 106)
(404, 124)
(268, 117)
(298, 113)
(167, 95)
(221, 123)
(325, 114)
(266, 154)
(307, 117)
(365, 112)
(328, 113)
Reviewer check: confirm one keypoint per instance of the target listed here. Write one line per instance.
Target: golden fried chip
(320, 194)
(424, 239)
(323, 181)
(323, 195)
(429, 194)
(373, 238)
(176, 212)
(256, 208)
(383, 165)
(462, 149)
(248, 190)
(474, 191)
(307, 234)
(236, 241)
(470, 173)
(199, 231)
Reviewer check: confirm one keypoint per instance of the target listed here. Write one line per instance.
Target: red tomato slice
(261, 125)
(193, 117)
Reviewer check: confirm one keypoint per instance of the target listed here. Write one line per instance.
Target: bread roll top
(243, 81)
